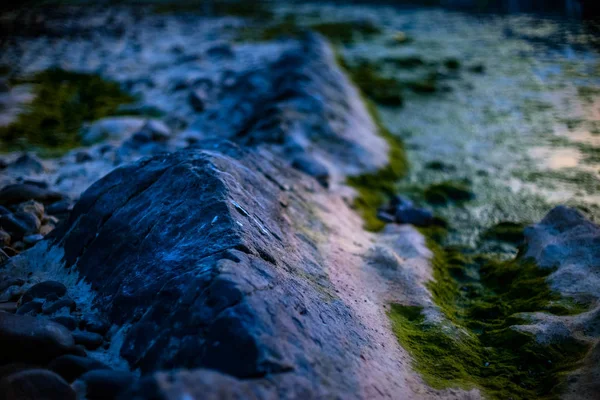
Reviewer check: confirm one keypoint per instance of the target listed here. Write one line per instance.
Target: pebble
(54, 306)
(43, 290)
(32, 207)
(4, 238)
(30, 339)
(28, 163)
(20, 224)
(20, 192)
(59, 207)
(32, 307)
(414, 216)
(9, 307)
(83, 156)
(32, 239)
(11, 293)
(71, 367)
(35, 384)
(104, 384)
(67, 321)
(8, 282)
(89, 340)
(94, 323)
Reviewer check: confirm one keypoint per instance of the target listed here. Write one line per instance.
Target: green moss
(511, 232)
(448, 191)
(374, 189)
(481, 299)
(382, 90)
(345, 32)
(63, 102)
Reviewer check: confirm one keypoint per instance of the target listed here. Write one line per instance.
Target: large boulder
(203, 258)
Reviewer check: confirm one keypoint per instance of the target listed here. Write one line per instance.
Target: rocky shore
(214, 250)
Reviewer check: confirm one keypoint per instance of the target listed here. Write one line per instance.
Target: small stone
(385, 217)
(30, 240)
(103, 384)
(83, 156)
(35, 384)
(31, 308)
(51, 307)
(11, 293)
(28, 164)
(89, 340)
(198, 99)
(8, 282)
(67, 321)
(19, 246)
(9, 307)
(5, 238)
(59, 207)
(43, 290)
(32, 207)
(46, 229)
(20, 224)
(414, 216)
(30, 339)
(156, 130)
(71, 367)
(95, 324)
(20, 192)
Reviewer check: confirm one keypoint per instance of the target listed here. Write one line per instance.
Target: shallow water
(525, 133)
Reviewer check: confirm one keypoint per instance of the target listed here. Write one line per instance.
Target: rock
(67, 321)
(415, 216)
(101, 384)
(60, 207)
(211, 277)
(89, 340)
(30, 308)
(111, 128)
(9, 307)
(35, 384)
(312, 167)
(44, 290)
(3, 255)
(30, 240)
(156, 130)
(29, 339)
(4, 211)
(11, 293)
(51, 307)
(8, 282)
(198, 99)
(4, 238)
(222, 50)
(71, 367)
(20, 224)
(9, 251)
(385, 216)
(20, 192)
(32, 207)
(28, 164)
(401, 202)
(82, 156)
(94, 323)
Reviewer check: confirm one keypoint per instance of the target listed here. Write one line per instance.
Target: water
(525, 133)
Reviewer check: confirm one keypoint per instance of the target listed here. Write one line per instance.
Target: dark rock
(401, 202)
(10, 369)
(30, 240)
(4, 211)
(67, 321)
(83, 156)
(3, 164)
(477, 68)
(10, 307)
(71, 367)
(20, 192)
(415, 216)
(60, 207)
(102, 384)
(89, 340)
(198, 99)
(3, 255)
(51, 307)
(312, 167)
(28, 164)
(35, 384)
(156, 130)
(43, 290)
(223, 50)
(94, 323)
(32, 207)
(29, 339)
(9, 251)
(20, 224)
(211, 276)
(7, 282)
(30, 308)
(385, 216)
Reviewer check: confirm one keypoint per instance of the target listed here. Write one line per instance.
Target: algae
(478, 346)
(63, 101)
